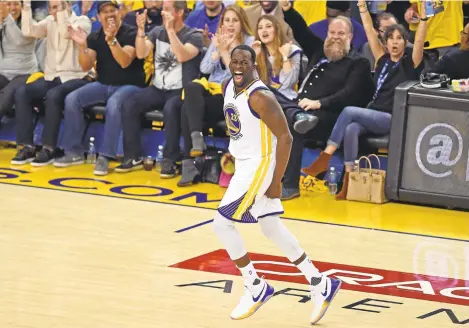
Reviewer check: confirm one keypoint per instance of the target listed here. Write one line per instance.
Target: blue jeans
(93, 94)
(352, 123)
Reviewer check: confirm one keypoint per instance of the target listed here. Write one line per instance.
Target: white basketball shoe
(322, 296)
(249, 304)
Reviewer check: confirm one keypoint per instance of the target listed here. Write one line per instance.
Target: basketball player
(260, 142)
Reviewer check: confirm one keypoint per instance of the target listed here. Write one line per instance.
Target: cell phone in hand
(433, 7)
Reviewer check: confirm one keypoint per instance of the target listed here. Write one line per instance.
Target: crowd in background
(333, 66)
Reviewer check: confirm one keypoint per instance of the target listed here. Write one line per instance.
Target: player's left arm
(263, 102)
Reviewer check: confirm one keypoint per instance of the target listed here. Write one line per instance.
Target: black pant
(30, 94)
(7, 92)
(152, 98)
(199, 107)
(322, 131)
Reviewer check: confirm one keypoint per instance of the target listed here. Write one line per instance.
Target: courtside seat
(379, 143)
(155, 115)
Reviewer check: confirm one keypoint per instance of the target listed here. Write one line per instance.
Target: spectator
(254, 12)
(333, 10)
(154, 18)
(455, 63)
(120, 75)
(395, 66)
(88, 8)
(278, 61)
(443, 29)
(383, 21)
(203, 100)
(17, 55)
(336, 79)
(62, 75)
(177, 57)
(206, 18)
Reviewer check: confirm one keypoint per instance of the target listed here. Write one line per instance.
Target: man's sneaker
(102, 166)
(44, 157)
(24, 155)
(322, 296)
(69, 160)
(248, 304)
(130, 165)
(168, 169)
(304, 122)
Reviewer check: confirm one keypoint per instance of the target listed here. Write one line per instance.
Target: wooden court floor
(78, 260)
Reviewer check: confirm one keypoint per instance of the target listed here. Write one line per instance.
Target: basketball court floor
(135, 251)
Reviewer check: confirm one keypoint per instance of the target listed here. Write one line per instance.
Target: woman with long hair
(278, 61)
(203, 99)
(17, 54)
(395, 64)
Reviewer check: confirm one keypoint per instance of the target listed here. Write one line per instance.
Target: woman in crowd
(394, 65)
(203, 99)
(278, 61)
(17, 54)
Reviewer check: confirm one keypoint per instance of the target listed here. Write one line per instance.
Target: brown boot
(319, 166)
(342, 195)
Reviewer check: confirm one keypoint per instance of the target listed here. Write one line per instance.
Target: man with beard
(206, 18)
(254, 12)
(335, 80)
(120, 75)
(154, 18)
(335, 9)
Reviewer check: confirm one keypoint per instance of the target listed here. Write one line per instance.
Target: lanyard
(383, 75)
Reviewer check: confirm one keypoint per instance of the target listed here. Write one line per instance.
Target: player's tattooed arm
(263, 102)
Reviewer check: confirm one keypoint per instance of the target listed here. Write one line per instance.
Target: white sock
(311, 273)
(249, 274)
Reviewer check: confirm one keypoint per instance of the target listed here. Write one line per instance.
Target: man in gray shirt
(176, 49)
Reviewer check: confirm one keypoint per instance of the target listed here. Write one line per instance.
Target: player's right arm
(265, 104)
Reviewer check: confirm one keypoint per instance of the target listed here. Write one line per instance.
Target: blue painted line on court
(194, 226)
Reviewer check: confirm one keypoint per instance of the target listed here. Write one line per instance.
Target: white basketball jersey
(249, 135)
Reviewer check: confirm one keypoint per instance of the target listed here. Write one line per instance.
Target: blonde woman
(203, 99)
(278, 61)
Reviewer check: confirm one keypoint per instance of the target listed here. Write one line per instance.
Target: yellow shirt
(312, 11)
(136, 5)
(444, 29)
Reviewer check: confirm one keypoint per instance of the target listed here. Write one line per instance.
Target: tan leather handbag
(367, 184)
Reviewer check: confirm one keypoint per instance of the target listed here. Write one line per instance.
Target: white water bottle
(159, 158)
(91, 158)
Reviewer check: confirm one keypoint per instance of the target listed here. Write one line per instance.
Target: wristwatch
(113, 42)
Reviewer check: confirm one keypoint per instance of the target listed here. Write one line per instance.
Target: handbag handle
(367, 159)
(377, 158)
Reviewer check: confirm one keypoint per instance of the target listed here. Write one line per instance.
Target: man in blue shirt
(339, 8)
(89, 9)
(206, 18)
